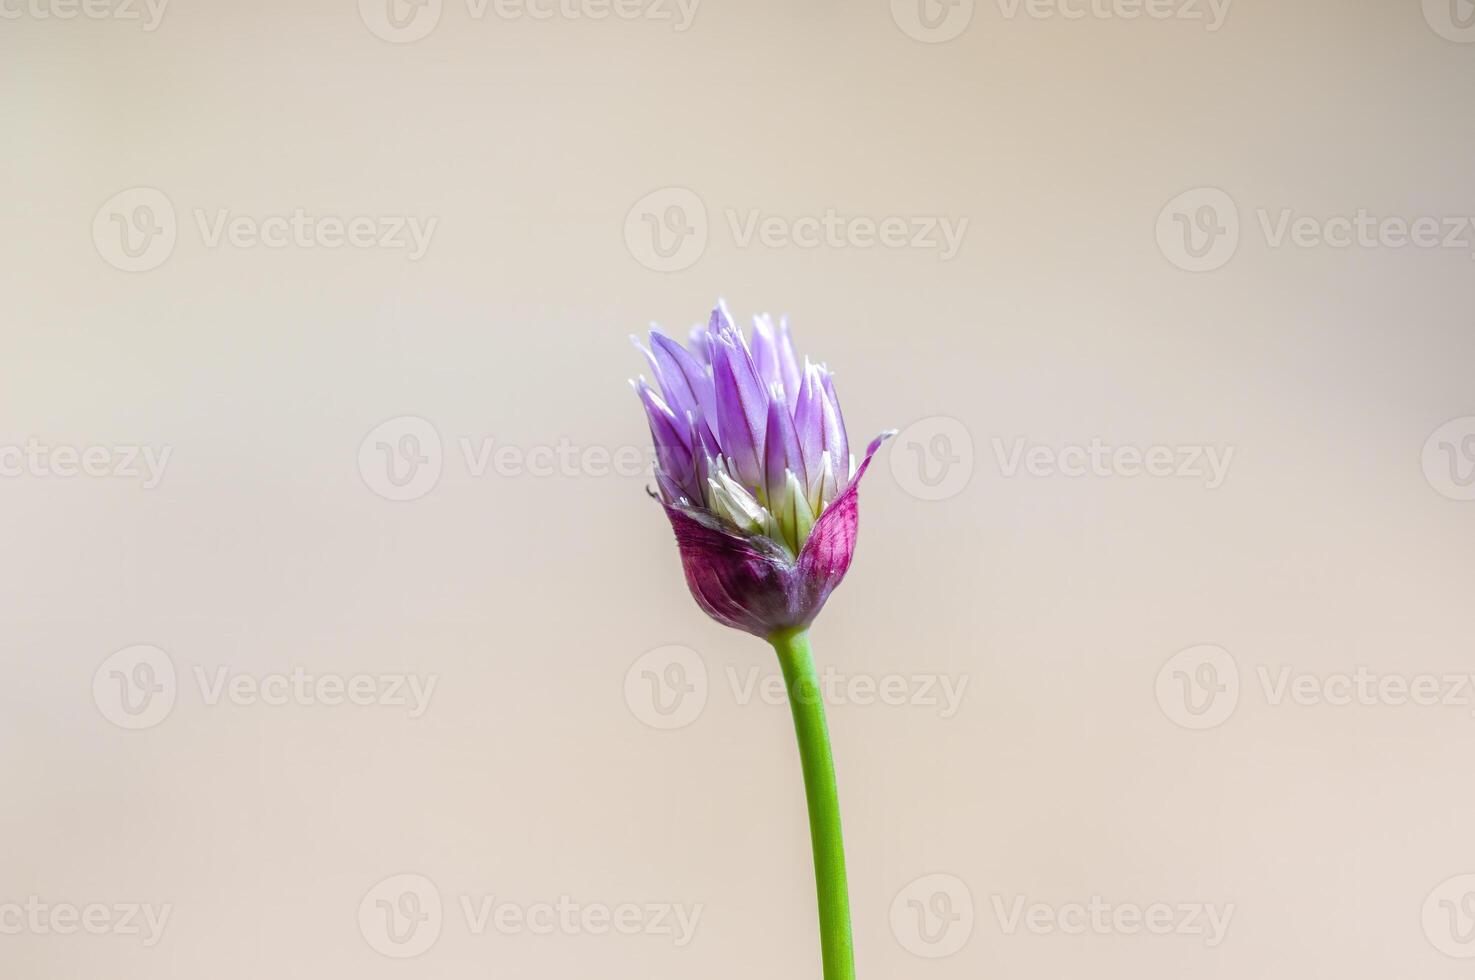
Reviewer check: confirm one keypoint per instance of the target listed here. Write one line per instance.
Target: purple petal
(781, 452)
(734, 578)
(671, 491)
(742, 412)
(788, 365)
(765, 354)
(685, 381)
(671, 436)
(720, 324)
(836, 441)
(826, 555)
(701, 344)
(809, 422)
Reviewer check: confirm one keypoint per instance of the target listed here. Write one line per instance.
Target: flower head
(755, 471)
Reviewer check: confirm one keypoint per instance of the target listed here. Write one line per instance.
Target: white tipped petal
(733, 502)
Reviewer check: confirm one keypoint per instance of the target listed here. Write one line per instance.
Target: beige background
(534, 773)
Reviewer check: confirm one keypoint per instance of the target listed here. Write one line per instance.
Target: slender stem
(807, 703)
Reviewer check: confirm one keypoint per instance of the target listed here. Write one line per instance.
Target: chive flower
(755, 472)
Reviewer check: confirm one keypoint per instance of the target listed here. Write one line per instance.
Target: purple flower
(755, 472)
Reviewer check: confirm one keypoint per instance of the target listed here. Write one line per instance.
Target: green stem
(807, 703)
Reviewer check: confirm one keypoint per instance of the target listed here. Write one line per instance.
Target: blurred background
(340, 638)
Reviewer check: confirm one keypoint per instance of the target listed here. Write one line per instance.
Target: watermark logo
(400, 21)
(135, 229)
(136, 687)
(667, 687)
(932, 21)
(933, 916)
(932, 459)
(401, 916)
(1453, 20)
(666, 230)
(1449, 459)
(1198, 231)
(1449, 917)
(401, 459)
(1198, 688)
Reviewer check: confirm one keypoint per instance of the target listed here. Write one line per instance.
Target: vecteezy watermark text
(1209, 464)
(36, 917)
(38, 460)
(669, 687)
(1099, 917)
(406, 21)
(136, 230)
(300, 229)
(149, 13)
(1200, 230)
(937, 21)
(667, 230)
(839, 688)
(1200, 687)
(1212, 13)
(934, 917)
(933, 459)
(138, 686)
(403, 458)
(403, 916)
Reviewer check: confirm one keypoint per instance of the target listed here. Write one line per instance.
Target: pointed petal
(741, 412)
(809, 423)
(701, 343)
(834, 424)
(671, 438)
(826, 555)
(671, 492)
(683, 378)
(731, 501)
(781, 452)
(827, 487)
(720, 324)
(765, 352)
(788, 365)
(803, 515)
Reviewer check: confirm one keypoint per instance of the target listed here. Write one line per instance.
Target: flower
(754, 471)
